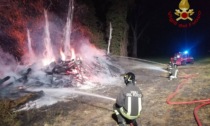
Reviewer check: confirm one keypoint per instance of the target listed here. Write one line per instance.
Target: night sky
(160, 37)
(167, 38)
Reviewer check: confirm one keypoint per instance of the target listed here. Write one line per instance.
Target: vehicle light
(186, 52)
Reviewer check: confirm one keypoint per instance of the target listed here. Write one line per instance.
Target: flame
(63, 57)
(73, 56)
(184, 5)
(46, 61)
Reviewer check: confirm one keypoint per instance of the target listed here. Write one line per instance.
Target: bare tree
(139, 21)
(136, 36)
(136, 26)
(110, 38)
(117, 14)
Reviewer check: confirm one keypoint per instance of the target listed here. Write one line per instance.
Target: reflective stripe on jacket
(129, 101)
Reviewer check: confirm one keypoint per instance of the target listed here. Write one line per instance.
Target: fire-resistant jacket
(129, 101)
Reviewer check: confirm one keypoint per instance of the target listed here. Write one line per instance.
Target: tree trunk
(110, 38)
(135, 44)
(136, 37)
(124, 44)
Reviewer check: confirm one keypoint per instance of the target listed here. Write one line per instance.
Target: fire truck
(182, 58)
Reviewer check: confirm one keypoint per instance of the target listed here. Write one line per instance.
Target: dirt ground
(155, 86)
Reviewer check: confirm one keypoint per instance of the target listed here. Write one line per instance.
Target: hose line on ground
(172, 95)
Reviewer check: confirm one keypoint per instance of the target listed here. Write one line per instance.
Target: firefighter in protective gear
(128, 103)
(173, 70)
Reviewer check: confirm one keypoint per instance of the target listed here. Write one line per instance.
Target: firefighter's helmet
(129, 77)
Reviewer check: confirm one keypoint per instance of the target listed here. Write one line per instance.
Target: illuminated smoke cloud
(96, 68)
(8, 63)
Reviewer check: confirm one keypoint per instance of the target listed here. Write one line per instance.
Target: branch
(49, 5)
(139, 35)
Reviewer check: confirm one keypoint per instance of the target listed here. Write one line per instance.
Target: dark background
(165, 38)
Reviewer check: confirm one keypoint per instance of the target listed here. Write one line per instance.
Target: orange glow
(74, 71)
(73, 56)
(63, 57)
(80, 58)
(47, 59)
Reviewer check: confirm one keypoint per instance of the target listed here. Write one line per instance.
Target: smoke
(88, 51)
(8, 63)
(32, 74)
(99, 70)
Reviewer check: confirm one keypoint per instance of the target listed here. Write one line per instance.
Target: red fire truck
(182, 58)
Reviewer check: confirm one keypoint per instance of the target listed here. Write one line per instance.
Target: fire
(63, 57)
(73, 56)
(47, 61)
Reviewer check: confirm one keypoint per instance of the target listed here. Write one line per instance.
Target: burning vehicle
(182, 58)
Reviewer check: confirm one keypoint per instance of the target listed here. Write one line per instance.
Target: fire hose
(204, 102)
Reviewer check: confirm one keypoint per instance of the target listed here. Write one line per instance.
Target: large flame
(73, 56)
(47, 61)
(63, 57)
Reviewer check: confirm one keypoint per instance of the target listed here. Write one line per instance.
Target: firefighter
(169, 67)
(128, 103)
(173, 72)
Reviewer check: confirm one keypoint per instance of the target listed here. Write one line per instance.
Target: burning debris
(54, 61)
(72, 68)
(59, 74)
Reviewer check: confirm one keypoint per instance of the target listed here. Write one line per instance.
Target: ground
(155, 86)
